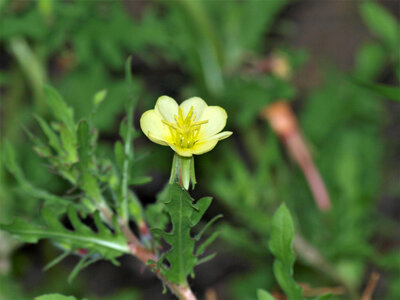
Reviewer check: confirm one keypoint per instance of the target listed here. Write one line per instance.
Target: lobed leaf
(60, 109)
(89, 182)
(52, 137)
(10, 162)
(184, 215)
(104, 243)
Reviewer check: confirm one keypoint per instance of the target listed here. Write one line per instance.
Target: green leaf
(180, 256)
(140, 180)
(60, 109)
(264, 295)
(52, 137)
(206, 259)
(155, 215)
(119, 154)
(184, 214)
(200, 250)
(323, 297)
(280, 244)
(83, 263)
(98, 98)
(68, 140)
(283, 275)
(89, 182)
(40, 148)
(124, 157)
(202, 205)
(381, 23)
(128, 74)
(135, 207)
(105, 243)
(54, 297)
(282, 235)
(390, 92)
(29, 62)
(57, 260)
(212, 221)
(370, 60)
(29, 189)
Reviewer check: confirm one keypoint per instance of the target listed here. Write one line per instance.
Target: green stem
(128, 151)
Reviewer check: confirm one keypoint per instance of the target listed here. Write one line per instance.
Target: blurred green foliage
(80, 48)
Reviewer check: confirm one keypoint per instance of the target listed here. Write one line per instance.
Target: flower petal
(216, 117)
(199, 105)
(167, 108)
(153, 127)
(220, 136)
(185, 152)
(204, 146)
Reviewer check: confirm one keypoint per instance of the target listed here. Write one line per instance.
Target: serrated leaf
(28, 188)
(54, 297)
(156, 217)
(184, 215)
(201, 205)
(264, 295)
(52, 137)
(40, 148)
(105, 243)
(88, 181)
(60, 109)
(127, 135)
(135, 207)
(68, 141)
(181, 258)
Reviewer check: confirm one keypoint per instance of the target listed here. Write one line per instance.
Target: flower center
(185, 131)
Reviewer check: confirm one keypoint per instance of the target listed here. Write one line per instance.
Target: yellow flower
(190, 128)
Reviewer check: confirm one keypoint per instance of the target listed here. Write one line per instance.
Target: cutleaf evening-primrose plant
(100, 192)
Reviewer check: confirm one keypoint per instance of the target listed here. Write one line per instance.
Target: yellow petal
(216, 117)
(153, 127)
(204, 146)
(167, 108)
(220, 136)
(185, 152)
(199, 105)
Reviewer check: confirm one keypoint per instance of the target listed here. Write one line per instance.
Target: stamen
(189, 115)
(185, 131)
